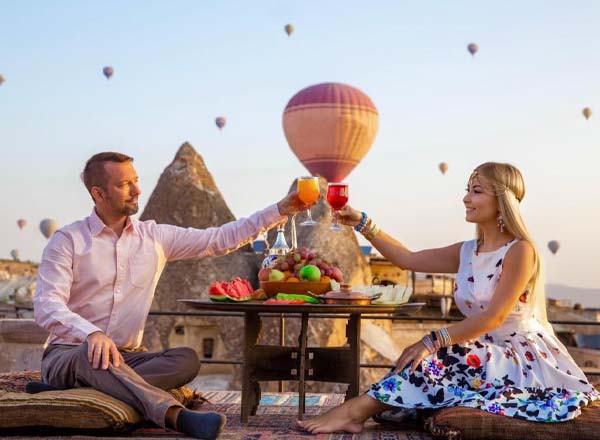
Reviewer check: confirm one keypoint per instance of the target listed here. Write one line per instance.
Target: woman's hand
(412, 355)
(348, 216)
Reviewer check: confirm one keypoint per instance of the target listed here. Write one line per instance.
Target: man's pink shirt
(91, 280)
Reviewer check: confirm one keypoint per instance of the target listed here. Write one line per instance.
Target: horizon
(179, 66)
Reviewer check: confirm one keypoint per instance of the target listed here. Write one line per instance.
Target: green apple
(276, 275)
(310, 273)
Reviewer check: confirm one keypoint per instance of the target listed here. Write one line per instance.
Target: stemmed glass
(308, 192)
(337, 197)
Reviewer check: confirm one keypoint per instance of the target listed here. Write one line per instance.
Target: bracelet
(427, 342)
(371, 232)
(446, 340)
(362, 223)
(367, 225)
(436, 341)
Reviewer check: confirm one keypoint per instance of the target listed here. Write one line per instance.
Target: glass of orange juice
(308, 192)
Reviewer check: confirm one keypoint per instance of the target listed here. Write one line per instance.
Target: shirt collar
(97, 225)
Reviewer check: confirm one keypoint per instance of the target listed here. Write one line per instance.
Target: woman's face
(480, 203)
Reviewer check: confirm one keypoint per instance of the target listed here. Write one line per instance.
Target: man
(95, 286)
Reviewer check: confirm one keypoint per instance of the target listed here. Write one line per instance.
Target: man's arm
(184, 243)
(53, 289)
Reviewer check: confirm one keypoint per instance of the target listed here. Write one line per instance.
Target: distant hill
(586, 297)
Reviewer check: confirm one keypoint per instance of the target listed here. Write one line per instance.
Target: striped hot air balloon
(443, 166)
(108, 71)
(15, 254)
(587, 112)
(289, 29)
(21, 223)
(330, 127)
(473, 48)
(221, 121)
(48, 227)
(1, 80)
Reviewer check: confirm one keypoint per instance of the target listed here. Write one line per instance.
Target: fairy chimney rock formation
(186, 195)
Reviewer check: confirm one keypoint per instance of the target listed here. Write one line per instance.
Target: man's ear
(97, 193)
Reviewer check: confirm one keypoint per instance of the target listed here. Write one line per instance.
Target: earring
(500, 223)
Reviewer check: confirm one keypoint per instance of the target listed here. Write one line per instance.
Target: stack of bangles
(436, 340)
(367, 227)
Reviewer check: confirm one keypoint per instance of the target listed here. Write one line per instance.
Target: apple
(310, 273)
(263, 275)
(276, 275)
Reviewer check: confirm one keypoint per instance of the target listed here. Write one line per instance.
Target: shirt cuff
(272, 215)
(87, 328)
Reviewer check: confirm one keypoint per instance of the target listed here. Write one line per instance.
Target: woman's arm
(439, 260)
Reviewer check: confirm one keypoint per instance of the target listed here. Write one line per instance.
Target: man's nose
(136, 191)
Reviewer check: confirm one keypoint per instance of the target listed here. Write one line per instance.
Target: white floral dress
(519, 370)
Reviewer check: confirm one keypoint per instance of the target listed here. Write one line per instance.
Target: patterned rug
(275, 419)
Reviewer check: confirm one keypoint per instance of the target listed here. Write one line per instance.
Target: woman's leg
(348, 417)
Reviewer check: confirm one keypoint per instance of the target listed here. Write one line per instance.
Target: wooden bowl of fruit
(300, 272)
(272, 288)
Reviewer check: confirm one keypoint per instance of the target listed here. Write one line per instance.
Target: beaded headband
(504, 189)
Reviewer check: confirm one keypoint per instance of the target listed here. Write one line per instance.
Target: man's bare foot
(335, 420)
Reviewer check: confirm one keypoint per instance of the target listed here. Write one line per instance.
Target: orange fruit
(325, 279)
(287, 274)
(292, 280)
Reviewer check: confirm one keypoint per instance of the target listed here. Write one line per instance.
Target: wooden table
(301, 363)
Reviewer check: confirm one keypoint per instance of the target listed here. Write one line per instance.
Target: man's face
(122, 189)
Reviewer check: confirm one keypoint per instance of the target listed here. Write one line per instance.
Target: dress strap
(466, 251)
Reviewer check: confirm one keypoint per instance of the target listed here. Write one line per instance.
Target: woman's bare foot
(335, 420)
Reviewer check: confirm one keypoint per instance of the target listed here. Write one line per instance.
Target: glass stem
(309, 215)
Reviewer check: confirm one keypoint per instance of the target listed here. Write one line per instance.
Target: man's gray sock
(206, 426)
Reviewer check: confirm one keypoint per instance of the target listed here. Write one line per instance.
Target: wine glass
(337, 197)
(308, 192)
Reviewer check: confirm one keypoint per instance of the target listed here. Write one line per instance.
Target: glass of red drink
(337, 197)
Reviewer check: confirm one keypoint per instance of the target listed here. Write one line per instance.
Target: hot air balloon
(473, 48)
(554, 246)
(221, 121)
(21, 223)
(1, 80)
(443, 167)
(330, 127)
(15, 254)
(108, 72)
(587, 112)
(289, 29)
(48, 226)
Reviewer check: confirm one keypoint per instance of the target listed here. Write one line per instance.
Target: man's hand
(291, 204)
(102, 350)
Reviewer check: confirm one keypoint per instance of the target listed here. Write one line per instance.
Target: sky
(180, 64)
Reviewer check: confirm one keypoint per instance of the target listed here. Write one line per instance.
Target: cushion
(74, 409)
(460, 423)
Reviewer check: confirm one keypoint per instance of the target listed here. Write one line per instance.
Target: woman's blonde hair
(509, 188)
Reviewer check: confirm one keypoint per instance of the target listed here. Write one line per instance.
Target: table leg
(353, 337)
(250, 387)
(302, 343)
(281, 342)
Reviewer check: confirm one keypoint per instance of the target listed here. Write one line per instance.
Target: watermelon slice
(237, 289)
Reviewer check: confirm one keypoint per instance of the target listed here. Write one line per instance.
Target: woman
(503, 357)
